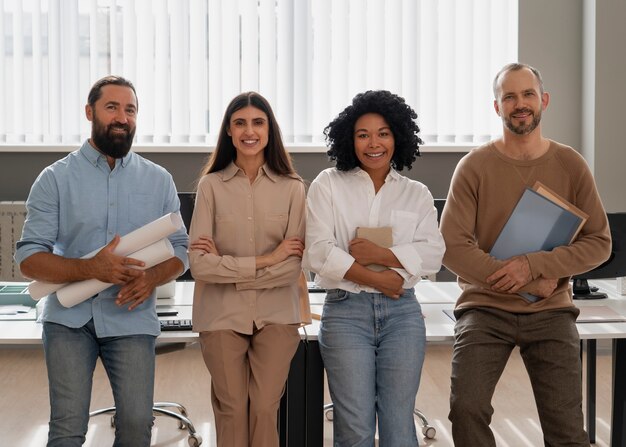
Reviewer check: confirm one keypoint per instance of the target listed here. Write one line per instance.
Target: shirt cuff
(28, 250)
(408, 257)
(247, 267)
(181, 253)
(534, 263)
(336, 265)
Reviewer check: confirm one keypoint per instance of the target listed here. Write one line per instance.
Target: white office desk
(306, 382)
(183, 295)
(443, 326)
(29, 332)
(428, 292)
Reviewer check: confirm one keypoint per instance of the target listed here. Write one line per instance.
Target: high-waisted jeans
(373, 350)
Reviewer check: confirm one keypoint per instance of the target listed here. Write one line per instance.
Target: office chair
(428, 430)
(164, 408)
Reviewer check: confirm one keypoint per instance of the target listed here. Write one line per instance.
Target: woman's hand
(390, 283)
(365, 252)
(292, 246)
(205, 244)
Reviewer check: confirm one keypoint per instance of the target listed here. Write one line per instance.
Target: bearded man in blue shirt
(76, 205)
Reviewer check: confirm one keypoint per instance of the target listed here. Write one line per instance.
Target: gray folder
(536, 224)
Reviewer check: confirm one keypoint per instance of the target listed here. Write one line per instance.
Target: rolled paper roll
(129, 243)
(79, 291)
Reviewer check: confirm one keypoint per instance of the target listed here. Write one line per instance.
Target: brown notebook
(381, 236)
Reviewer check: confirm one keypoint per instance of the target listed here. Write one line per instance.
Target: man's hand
(513, 276)
(205, 244)
(363, 251)
(137, 290)
(110, 268)
(390, 283)
(543, 287)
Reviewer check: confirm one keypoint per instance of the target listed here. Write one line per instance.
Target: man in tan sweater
(492, 318)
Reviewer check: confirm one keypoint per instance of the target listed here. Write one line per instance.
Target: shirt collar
(232, 169)
(94, 156)
(391, 175)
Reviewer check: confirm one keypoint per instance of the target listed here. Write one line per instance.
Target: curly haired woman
(372, 336)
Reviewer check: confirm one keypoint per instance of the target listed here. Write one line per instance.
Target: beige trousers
(248, 375)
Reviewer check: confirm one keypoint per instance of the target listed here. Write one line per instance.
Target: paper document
(77, 292)
(130, 243)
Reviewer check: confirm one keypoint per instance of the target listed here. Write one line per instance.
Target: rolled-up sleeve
(42, 222)
(178, 239)
(424, 254)
(322, 254)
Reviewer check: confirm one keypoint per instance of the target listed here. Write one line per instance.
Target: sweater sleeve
(323, 255)
(463, 255)
(592, 246)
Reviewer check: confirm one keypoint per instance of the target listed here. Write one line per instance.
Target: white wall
(580, 48)
(609, 101)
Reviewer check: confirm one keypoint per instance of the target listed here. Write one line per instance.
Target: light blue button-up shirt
(77, 205)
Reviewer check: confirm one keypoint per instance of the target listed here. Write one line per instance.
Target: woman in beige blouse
(247, 236)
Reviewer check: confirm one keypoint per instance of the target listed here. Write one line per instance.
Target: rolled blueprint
(129, 243)
(79, 291)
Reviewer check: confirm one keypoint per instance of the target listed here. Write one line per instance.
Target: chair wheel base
(429, 432)
(194, 440)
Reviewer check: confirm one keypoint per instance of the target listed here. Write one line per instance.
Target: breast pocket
(275, 227)
(143, 208)
(404, 224)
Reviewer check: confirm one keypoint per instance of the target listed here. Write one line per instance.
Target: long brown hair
(276, 156)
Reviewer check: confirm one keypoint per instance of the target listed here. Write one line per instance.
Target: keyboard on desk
(176, 325)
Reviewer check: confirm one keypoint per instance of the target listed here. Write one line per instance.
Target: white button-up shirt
(340, 201)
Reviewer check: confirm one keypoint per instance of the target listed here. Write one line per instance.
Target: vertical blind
(189, 58)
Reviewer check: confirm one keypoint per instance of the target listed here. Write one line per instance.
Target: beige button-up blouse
(246, 220)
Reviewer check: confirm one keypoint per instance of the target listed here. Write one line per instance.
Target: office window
(188, 58)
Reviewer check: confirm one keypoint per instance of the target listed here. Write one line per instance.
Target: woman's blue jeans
(373, 350)
(71, 356)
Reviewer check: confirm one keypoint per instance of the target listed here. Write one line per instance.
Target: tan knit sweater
(485, 188)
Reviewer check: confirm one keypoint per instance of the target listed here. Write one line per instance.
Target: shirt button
(249, 218)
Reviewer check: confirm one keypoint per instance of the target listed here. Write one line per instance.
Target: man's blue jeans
(71, 356)
(373, 350)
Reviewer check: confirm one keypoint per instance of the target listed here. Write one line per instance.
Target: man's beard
(110, 143)
(523, 129)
